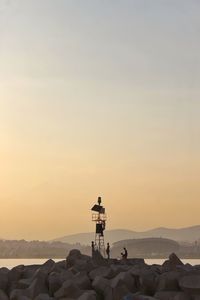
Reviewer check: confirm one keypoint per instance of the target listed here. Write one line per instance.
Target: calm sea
(11, 263)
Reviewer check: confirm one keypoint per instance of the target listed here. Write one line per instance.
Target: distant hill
(85, 238)
(37, 249)
(147, 247)
(188, 234)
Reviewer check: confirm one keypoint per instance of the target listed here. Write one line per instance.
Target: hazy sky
(98, 98)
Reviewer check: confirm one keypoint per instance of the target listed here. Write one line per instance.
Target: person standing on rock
(125, 253)
(93, 248)
(108, 250)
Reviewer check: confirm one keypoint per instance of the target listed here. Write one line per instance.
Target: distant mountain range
(187, 234)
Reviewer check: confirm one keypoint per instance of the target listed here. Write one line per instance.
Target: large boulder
(190, 284)
(37, 287)
(174, 260)
(55, 280)
(148, 281)
(169, 295)
(3, 295)
(4, 278)
(82, 281)
(48, 265)
(98, 259)
(18, 294)
(38, 283)
(102, 286)
(14, 276)
(59, 266)
(139, 270)
(156, 268)
(74, 256)
(124, 278)
(168, 281)
(172, 263)
(120, 291)
(88, 295)
(43, 297)
(40, 275)
(24, 283)
(68, 290)
(102, 271)
(79, 261)
(115, 269)
(138, 297)
(29, 271)
(183, 296)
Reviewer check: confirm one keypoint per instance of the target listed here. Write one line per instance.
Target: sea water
(11, 263)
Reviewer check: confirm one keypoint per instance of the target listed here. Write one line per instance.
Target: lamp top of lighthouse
(99, 210)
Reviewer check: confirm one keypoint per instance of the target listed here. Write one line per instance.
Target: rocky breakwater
(83, 278)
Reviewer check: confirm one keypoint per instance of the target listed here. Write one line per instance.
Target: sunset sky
(98, 98)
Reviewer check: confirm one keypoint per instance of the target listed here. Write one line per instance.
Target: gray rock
(138, 297)
(55, 280)
(135, 261)
(156, 268)
(88, 295)
(148, 282)
(3, 295)
(169, 281)
(126, 279)
(43, 297)
(120, 291)
(48, 265)
(14, 276)
(37, 287)
(17, 294)
(29, 271)
(4, 278)
(76, 256)
(59, 266)
(174, 260)
(167, 295)
(24, 283)
(102, 271)
(68, 289)
(116, 269)
(190, 284)
(113, 280)
(101, 284)
(138, 270)
(183, 296)
(82, 281)
(172, 263)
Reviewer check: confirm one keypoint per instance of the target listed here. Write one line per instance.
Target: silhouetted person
(93, 248)
(108, 250)
(125, 253)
